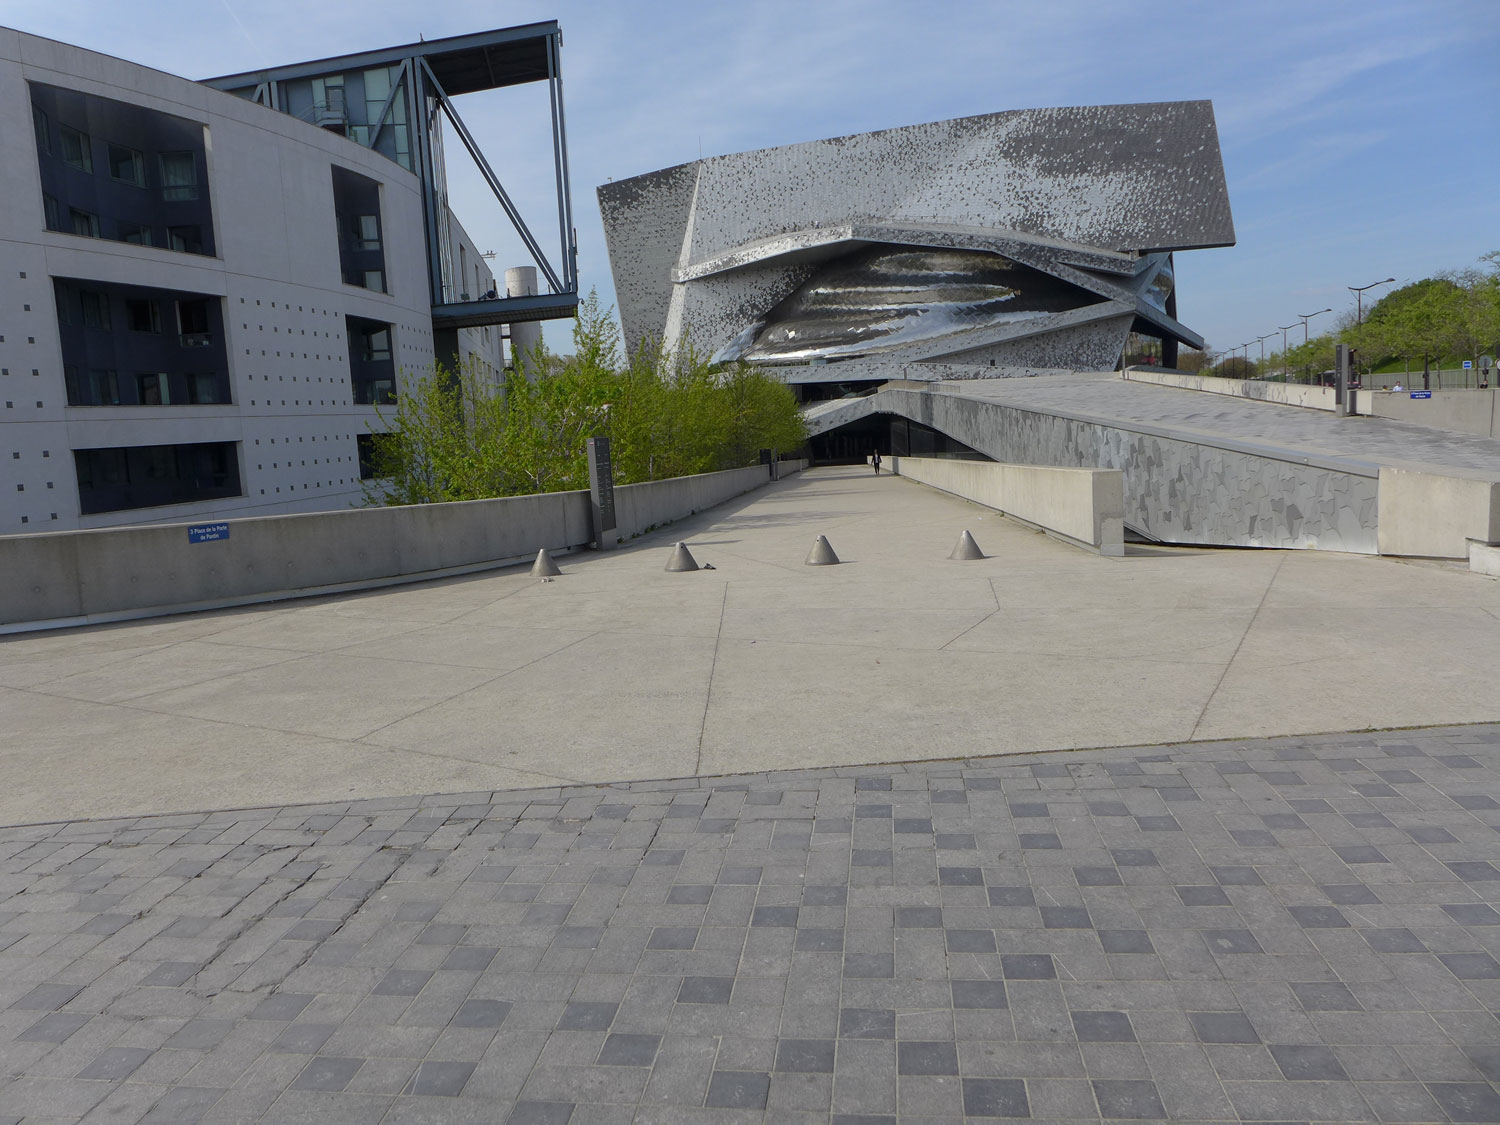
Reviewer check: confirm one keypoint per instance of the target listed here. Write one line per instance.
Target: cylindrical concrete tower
(520, 281)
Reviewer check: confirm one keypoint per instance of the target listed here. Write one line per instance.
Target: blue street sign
(1414, 394)
(208, 532)
(1468, 365)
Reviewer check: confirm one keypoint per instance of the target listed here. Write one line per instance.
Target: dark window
(84, 223)
(203, 389)
(179, 176)
(376, 344)
(95, 309)
(153, 389)
(75, 149)
(367, 232)
(145, 476)
(152, 172)
(193, 324)
(127, 166)
(103, 389)
(52, 212)
(365, 444)
(142, 315)
(188, 239)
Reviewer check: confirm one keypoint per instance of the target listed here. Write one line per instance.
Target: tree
(1233, 367)
(665, 414)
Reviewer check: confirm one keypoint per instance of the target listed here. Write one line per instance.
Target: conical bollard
(966, 549)
(682, 559)
(544, 567)
(822, 553)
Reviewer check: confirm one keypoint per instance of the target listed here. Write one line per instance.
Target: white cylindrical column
(520, 281)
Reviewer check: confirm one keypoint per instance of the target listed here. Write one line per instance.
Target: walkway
(618, 670)
(494, 913)
(1296, 929)
(1367, 441)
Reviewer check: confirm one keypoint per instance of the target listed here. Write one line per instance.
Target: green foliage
(1233, 367)
(665, 414)
(1453, 316)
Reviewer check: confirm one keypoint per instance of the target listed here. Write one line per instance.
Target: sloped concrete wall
(1178, 489)
(1287, 394)
(1083, 506)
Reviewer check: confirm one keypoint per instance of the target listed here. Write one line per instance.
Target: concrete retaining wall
(1178, 489)
(1433, 515)
(1461, 411)
(75, 577)
(1287, 394)
(1083, 506)
(639, 507)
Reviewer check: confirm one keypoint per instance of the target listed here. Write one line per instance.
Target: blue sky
(1361, 139)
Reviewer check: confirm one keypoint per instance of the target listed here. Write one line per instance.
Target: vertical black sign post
(602, 492)
(1341, 390)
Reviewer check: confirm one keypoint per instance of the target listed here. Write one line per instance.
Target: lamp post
(1305, 318)
(1308, 316)
(1284, 327)
(1359, 295)
(1262, 341)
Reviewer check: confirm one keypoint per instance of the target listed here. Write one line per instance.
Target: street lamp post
(1305, 318)
(1284, 327)
(1359, 294)
(1263, 340)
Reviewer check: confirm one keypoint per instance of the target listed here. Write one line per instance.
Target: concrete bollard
(544, 567)
(966, 549)
(821, 553)
(682, 559)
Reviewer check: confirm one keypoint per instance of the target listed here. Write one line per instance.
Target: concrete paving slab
(617, 670)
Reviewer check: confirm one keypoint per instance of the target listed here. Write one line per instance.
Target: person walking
(875, 460)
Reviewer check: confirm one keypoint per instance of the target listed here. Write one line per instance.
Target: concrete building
(207, 296)
(1033, 239)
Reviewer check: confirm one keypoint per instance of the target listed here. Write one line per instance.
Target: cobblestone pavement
(1290, 929)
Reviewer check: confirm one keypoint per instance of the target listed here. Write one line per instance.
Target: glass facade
(372, 366)
(121, 172)
(128, 345)
(148, 476)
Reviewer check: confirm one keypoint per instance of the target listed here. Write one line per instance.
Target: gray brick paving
(1297, 929)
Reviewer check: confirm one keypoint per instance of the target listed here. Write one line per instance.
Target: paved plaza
(1045, 836)
(1293, 929)
(620, 671)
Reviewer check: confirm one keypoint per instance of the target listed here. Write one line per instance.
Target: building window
(84, 223)
(179, 176)
(134, 233)
(153, 389)
(142, 315)
(39, 124)
(127, 166)
(95, 308)
(203, 389)
(367, 232)
(365, 444)
(376, 345)
(374, 280)
(187, 239)
(51, 212)
(193, 324)
(75, 149)
(145, 476)
(103, 389)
